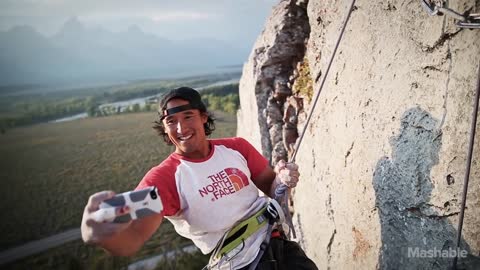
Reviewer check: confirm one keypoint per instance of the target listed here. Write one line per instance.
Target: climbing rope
(465, 20)
(468, 166)
(281, 194)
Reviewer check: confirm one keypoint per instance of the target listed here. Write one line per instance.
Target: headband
(177, 109)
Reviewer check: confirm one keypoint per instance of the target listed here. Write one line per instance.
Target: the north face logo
(225, 182)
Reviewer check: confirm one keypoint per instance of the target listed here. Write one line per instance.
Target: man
(207, 186)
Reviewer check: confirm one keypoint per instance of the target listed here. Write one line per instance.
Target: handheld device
(142, 203)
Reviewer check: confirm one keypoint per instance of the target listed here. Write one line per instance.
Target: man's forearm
(130, 240)
(124, 243)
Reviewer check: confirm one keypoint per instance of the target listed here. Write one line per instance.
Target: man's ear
(204, 117)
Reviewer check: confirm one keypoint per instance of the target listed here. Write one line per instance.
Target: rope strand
(468, 166)
(280, 191)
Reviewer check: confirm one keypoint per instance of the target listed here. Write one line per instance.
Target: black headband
(177, 110)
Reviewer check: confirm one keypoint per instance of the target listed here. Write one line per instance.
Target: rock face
(383, 160)
(266, 79)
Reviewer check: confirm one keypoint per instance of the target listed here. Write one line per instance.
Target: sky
(229, 20)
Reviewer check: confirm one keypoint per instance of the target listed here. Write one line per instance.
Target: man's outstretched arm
(120, 239)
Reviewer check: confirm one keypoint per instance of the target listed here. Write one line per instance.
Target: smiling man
(210, 192)
(186, 123)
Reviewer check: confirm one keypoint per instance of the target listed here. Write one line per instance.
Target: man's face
(185, 130)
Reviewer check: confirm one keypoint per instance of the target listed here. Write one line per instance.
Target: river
(121, 106)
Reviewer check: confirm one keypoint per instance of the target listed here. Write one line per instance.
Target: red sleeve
(163, 177)
(255, 161)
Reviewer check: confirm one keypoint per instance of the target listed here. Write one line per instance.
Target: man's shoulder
(166, 167)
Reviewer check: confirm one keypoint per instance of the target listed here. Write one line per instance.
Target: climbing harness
(465, 20)
(233, 241)
(468, 166)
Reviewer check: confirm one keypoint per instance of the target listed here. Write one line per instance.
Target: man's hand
(95, 232)
(287, 173)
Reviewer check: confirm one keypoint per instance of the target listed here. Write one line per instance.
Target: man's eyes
(174, 121)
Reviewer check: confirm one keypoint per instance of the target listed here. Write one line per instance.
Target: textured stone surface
(383, 160)
(265, 79)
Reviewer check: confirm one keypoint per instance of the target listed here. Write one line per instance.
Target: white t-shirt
(204, 198)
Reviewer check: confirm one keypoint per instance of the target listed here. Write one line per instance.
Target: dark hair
(195, 101)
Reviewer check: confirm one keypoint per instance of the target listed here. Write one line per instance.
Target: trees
(92, 107)
(222, 98)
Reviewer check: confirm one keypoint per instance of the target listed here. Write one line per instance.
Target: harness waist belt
(237, 235)
(233, 241)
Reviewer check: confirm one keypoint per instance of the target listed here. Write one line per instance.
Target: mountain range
(80, 54)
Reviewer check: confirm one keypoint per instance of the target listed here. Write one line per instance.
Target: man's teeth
(184, 138)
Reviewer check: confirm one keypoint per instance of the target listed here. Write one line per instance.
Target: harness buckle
(275, 212)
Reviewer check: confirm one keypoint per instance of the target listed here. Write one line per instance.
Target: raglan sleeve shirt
(163, 176)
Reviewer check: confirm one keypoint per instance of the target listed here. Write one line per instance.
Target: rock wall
(267, 77)
(383, 159)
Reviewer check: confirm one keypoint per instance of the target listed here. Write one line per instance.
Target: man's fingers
(287, 173)
(96, 231)
(289, 178)
(95, 200)
(291, 166)
(292, 184)
(291, 173)
(280, 166)
(94, 226)
(290, 181)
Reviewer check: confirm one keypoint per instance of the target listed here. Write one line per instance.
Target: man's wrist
(275, 183)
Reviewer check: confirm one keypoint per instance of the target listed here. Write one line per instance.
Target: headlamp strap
(177, 110)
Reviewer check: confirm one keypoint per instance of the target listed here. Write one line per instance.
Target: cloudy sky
(229, 20)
